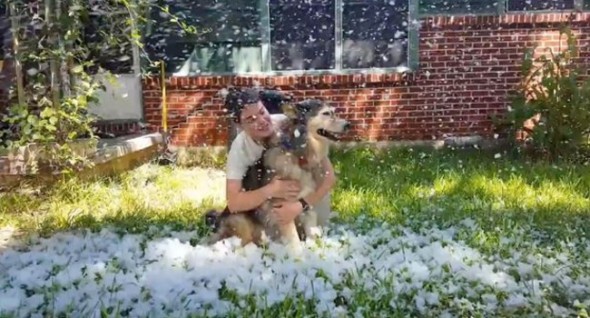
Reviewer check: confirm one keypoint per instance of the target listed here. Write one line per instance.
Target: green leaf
(23, 112)
(32, 119)
(44, 101)
(47, 112)
(77, 69)
(72, 135)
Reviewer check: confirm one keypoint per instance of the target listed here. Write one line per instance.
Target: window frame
(503, 10)
(578, 6)
(411, 50)
(499, 11)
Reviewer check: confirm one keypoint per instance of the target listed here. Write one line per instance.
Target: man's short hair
(236, 100)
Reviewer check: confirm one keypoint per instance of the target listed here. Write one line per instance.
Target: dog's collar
(303, 161)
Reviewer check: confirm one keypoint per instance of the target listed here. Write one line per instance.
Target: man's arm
(237, 165)
(240, 201)
(326, 186)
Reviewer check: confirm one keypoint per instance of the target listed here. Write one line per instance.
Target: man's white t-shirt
(244, 151)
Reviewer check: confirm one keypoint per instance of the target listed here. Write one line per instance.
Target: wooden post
(164, 105)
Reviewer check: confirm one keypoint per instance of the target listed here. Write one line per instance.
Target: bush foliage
(550, 110)
(59, 47)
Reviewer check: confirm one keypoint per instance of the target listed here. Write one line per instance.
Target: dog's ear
(308, 105)
(289, 110)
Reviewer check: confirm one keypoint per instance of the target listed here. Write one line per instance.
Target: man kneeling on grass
(256, 125)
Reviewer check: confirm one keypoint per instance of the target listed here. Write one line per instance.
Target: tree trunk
(66, 62)
(54, 65)
(18, 69)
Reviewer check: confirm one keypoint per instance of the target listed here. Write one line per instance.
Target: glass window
(6, 75)
(534, 5)
(458, 6)
(5, 38)
(245, 36)
(302, 34)
(374, 33)
(108, 40)
(228, 37)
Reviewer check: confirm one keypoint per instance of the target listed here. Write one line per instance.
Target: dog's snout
(347, 125)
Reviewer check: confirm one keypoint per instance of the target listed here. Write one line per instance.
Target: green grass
(148, 196)
(510, 211)
(394, 185)
(448, 186)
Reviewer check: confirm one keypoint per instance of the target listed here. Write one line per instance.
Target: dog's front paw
(314, 232)
(294, 250)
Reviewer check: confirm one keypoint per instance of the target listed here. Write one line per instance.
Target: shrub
(550, 110)
(57, 48)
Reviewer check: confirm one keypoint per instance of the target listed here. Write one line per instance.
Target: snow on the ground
(6, 236)
(427, 271)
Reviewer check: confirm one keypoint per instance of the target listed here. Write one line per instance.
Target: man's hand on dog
(286, 211)
(285, 189)
(286, 206)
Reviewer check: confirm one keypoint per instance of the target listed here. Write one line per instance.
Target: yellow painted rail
(164, 105)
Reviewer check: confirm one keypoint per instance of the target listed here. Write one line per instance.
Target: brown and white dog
(295, 152)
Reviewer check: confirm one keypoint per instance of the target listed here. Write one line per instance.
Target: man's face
(255, 121)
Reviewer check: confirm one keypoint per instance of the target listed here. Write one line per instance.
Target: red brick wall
(467, 65)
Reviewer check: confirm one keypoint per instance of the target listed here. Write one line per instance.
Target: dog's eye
(327, 113)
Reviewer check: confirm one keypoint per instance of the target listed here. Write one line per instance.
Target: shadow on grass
(150, 196)
(393, 185)
(138, 221)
